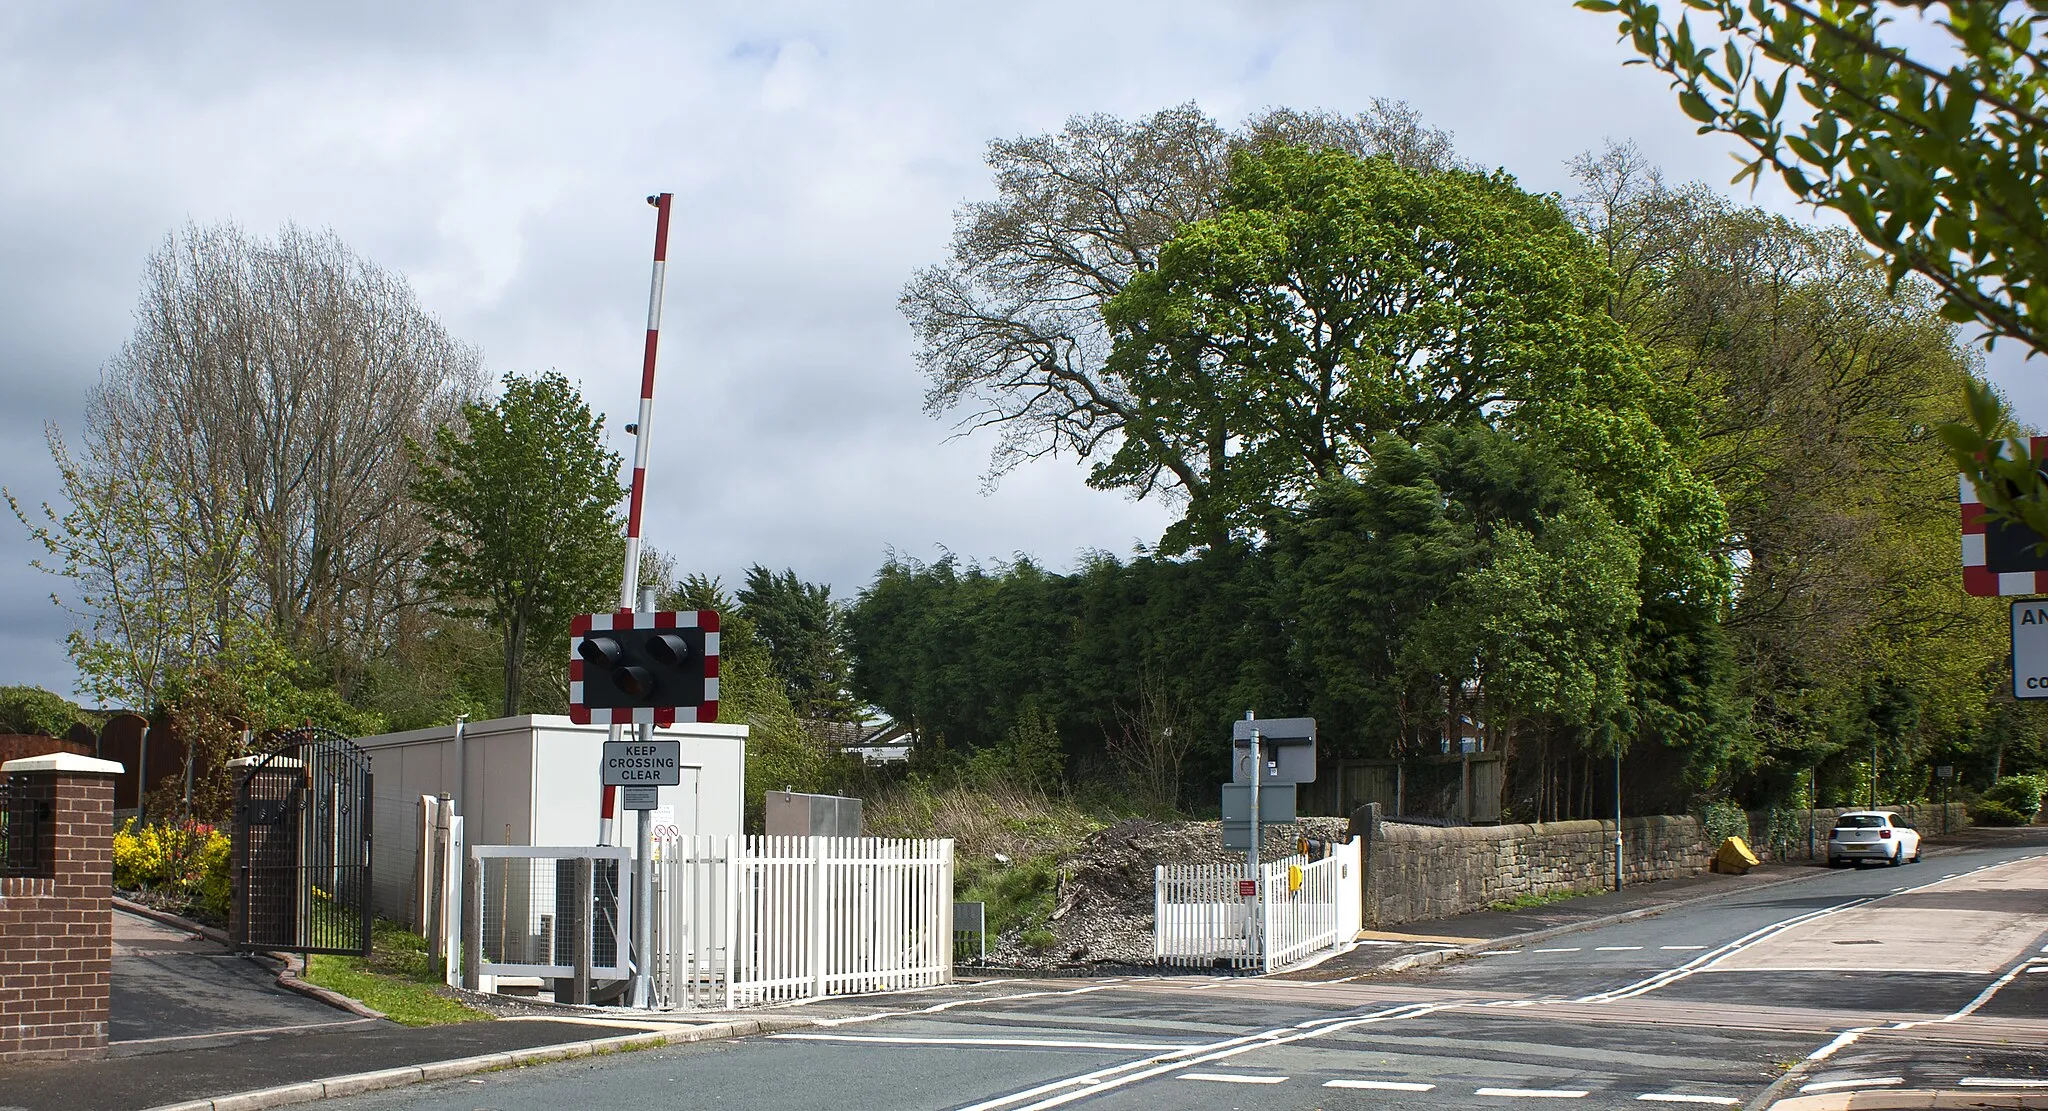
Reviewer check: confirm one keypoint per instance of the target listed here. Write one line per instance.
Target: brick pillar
(57, 921)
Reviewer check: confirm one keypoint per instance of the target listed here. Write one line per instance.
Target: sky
(498, 155)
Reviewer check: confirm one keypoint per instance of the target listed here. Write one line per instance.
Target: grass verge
(1530, 902)
(398, 978)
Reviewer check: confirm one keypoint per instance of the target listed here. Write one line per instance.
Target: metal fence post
(472, 923)
(583, 929)
(816, 845)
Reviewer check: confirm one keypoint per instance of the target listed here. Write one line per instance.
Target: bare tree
(1011, 328)
(1153, 739)
(266, 397)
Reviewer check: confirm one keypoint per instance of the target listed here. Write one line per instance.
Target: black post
(369, 918)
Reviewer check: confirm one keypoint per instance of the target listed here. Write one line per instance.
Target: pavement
(1438, 1014)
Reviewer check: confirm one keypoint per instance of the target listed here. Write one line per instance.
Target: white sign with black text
(2030, 649)
(643, 763)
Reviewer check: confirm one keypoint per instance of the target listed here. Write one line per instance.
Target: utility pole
(1251, 852)
(1617, 817)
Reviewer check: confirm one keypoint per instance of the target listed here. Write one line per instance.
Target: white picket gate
(744, 921)
(1200, 919)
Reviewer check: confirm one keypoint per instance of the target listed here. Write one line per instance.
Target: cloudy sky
(497, 154)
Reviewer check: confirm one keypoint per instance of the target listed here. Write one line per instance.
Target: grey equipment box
(790, 814)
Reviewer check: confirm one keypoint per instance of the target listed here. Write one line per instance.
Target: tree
(1814, 382)
(1335, 300)
(1935, 163)
(1011, 329)
(244, 458)
(805, 634)
(522, 497)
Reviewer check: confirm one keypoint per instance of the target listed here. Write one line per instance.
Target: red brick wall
(57, 933)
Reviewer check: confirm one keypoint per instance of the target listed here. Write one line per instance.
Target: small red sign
(1248, 888)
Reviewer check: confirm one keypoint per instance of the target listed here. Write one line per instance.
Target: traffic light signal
(644, 667)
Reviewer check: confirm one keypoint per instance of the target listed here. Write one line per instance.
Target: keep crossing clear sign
(643, 763)
(2030, 649)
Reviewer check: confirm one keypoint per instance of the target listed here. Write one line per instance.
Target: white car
(1873, 835)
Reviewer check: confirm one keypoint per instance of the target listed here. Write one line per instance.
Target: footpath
(1414, 945)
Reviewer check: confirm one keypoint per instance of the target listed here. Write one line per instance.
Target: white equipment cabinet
(533, 780)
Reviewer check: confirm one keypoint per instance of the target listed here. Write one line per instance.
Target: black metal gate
(302, 847)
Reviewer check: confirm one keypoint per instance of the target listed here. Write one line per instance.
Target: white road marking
(1499, 952)
(1231, 1078)
(993, 1043)
(1374, 941)
(1206, 987)
(1681, 948)
(1058, 1093)
(1867, 1082)
(1615, 948)
(1532, 1093)
(245, 1033)
(1573, 949)
(2000, 1082)
(1675, 1097)
(1380, 1085)
(937, 1008)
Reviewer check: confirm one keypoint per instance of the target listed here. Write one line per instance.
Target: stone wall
(1415, 873)
(56, 917)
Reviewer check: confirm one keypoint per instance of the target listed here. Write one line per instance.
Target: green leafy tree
(1336, 299)
(522, 495)
(1933, 157)
(805, 635)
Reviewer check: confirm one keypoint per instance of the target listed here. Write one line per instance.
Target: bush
(2019, 793)
(188, 863)
(36, 711)
(1990, 812)
(1722, 820)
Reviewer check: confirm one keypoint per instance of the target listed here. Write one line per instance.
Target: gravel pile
(1103, 912)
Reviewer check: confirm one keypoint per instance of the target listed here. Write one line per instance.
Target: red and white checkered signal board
(1999, 559)
(581, 695)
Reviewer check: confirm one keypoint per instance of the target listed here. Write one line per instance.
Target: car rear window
(1860, 821)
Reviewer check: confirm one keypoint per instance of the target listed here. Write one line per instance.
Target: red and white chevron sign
(1999, 560)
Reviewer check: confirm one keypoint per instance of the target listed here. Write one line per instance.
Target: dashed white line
(2000, 1082)
(1380, 1085)
(1866, 1082)
(1533, 1093)
(1573, 949)
(1681, 948)
(1500, 952)
(1679, 1097)
(1615, 948)
(1231, 1078)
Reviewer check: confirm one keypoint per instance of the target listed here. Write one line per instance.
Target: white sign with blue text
(2030, 649)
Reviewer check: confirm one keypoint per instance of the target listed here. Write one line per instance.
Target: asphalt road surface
(1932, 975)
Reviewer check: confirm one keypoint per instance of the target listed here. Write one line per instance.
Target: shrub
(1990, 812)
(2019, 793)
(1722, 820)
(186, 862)
(36, 711)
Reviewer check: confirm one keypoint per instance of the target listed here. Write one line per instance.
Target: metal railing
(27, 827)
(528, 910)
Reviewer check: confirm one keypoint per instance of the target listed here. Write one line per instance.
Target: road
(1932, 975)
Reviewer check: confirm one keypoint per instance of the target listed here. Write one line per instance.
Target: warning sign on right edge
(2030, 649)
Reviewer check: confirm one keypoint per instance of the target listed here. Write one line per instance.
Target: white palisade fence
(748, 920)
(1200, 919)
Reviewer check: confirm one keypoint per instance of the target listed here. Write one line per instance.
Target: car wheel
(1898, 856)
(1836, 862)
